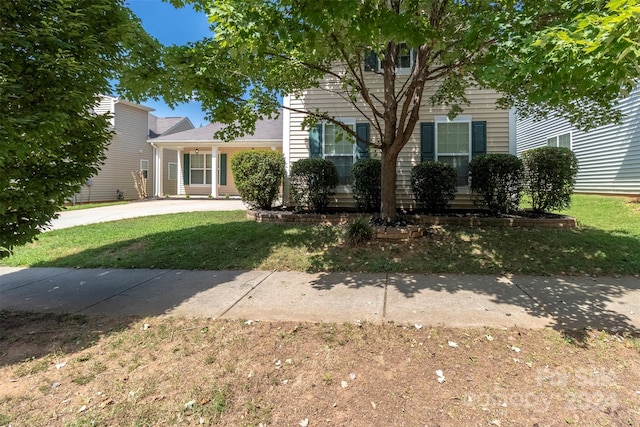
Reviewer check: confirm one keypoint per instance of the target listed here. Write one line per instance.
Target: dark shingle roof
(268, 129)
(159, 125)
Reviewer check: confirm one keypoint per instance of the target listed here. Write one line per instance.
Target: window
(173, 171)
(339, 149)
(144, 168)
(454, 142)
(453, 145)
(331, 142)
(404, 61)
(562, 140)
(200, 169)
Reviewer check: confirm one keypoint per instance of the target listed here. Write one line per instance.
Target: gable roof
(164, 125)
(266, 130)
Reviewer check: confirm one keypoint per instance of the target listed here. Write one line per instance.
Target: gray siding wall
(482, 107)
(608, 156)
(128, 146)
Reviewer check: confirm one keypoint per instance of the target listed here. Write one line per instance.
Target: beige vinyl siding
(168, 186)
(128, 146)
(481, 108)
(105, 105)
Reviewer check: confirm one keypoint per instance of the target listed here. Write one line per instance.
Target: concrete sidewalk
(449, 300)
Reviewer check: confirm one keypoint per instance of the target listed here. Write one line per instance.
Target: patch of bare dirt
(176, 371)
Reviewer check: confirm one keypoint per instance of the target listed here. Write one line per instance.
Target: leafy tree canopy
(261, 50)
(55, 57)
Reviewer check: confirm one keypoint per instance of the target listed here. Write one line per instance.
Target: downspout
(156, 170)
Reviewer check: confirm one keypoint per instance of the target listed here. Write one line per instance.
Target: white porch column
(214, 172)
(158, 153)
(181, 172)
(286, 147)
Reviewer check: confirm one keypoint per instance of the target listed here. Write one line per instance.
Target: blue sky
(172, 26)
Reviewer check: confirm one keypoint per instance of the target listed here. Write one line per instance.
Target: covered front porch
(197, 170)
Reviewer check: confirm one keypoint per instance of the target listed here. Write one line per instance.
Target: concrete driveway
(141, 208)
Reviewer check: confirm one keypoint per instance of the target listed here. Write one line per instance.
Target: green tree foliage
(497, 179)
(313, 182)
(257, 176)
(550, 176)
(55, 56)
(599, 40)
(261, 51)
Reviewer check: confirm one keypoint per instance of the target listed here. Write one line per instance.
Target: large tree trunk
(388, 184)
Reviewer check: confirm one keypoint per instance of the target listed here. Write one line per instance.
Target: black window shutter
(427, 142)
(478, 138)
(370, 61)
(185, 168)
(315, 142)
(362, 149)
(223, 169)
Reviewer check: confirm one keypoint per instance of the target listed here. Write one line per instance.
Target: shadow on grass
(498, 262)
(29, 335)
(414, 270)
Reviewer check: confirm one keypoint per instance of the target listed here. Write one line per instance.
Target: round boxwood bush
(366, 175)
(550, 176)
(313, 182)
(433, 185)
(257, 175)
(497, 179)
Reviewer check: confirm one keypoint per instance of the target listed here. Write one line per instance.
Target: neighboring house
(608, 156)
(480, 129)
(195, 154)
(128, 150)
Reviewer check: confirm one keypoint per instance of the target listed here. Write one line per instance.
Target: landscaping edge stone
(418, 220)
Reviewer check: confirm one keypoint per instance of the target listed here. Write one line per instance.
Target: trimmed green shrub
(366, 175)
(359, 231)
(313, 182)
(497, 178)
(550, 176)
(433, 185)
(257, 175)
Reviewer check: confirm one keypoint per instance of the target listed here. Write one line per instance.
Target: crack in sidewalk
(124, 291)
(244, 295)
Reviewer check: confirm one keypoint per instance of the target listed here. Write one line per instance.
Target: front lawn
(607, 242)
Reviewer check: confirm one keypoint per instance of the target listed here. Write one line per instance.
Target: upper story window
(561, 140)
(404, 61)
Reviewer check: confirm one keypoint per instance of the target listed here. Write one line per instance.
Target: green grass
(607, 242)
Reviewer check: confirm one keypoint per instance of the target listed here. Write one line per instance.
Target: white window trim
(169, 165)
(341, 188)
(557, 138)
(204, 169)
(464, 118)
(144, 168)
(403, 71)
